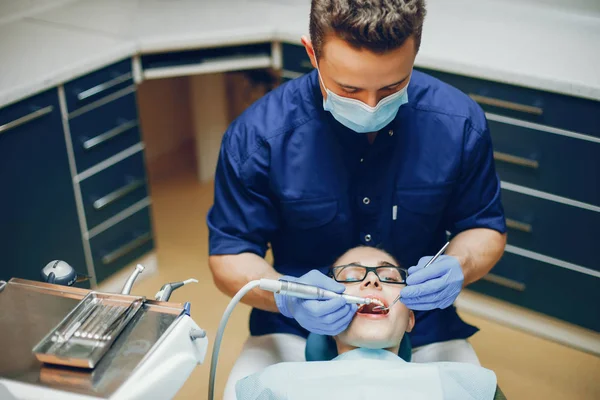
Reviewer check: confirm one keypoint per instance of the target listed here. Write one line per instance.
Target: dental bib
(368, 374)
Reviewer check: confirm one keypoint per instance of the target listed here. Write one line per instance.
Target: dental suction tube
(307, 291)
(284, 287)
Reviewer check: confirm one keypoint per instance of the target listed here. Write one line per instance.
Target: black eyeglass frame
(403, 273)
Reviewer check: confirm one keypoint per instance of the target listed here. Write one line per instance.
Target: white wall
(572, 6)
(209, 116)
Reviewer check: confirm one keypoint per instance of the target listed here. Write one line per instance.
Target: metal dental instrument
(129, 283)
(164, 294)
(307, 291)
(439, 253)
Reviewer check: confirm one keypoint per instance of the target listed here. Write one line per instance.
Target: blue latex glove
(323, 317)
(436, 286)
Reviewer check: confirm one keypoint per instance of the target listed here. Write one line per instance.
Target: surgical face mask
(361, 117)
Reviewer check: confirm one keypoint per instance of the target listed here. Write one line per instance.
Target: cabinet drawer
(122, 244)
(98, 84)
(553, 229)
(36, 112)
(114, 189)
(566, 112)
(295, 58)
(551, 163)
(555, 291)
(104, 131)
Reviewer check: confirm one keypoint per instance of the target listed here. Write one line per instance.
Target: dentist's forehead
(368, 256)
(364, 69)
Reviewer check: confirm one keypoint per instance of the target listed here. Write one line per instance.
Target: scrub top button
(367, 238)
(391, 132)
(362, 159)
(366, 200)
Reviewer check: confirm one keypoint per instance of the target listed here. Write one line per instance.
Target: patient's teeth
(379, 302)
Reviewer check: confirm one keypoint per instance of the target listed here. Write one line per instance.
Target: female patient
(368, 365)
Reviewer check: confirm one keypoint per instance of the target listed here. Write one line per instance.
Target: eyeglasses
(352, 273)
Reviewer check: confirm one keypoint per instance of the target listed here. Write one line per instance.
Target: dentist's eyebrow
(395, 84)
(350, 87)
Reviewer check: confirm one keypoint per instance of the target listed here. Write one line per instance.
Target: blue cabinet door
(38, 217)
(559, 292)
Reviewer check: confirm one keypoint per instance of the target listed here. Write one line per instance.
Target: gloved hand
(323, 317)
(436, 286)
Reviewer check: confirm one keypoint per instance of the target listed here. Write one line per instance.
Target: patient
(368, 365)
(382, 280)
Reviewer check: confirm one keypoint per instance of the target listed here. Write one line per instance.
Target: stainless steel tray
(83, 337)
(29, 310)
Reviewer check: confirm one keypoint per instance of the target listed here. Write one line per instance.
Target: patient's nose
(371, 281)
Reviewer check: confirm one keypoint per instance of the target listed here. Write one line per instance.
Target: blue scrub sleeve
(242, 218)
(476, 199)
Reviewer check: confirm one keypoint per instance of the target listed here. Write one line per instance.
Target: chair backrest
(323, 348)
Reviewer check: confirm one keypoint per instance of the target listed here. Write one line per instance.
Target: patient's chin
(369, 336)
(371, 342)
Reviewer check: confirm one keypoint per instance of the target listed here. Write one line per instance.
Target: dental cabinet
(73, 178)
(73, 156)
(547, 152)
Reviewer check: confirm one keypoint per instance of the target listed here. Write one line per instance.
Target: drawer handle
(117, 194)
(520, 226)
(126, 248)
(25, 119)
(103, 86)
(509, 105)
(95, 141)
(522, 161)
(306, 64)
(502, 281)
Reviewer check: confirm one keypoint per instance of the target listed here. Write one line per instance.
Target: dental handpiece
(304, 291)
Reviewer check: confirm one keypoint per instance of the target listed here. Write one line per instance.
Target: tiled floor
(527, 367)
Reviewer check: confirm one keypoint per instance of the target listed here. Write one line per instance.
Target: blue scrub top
(291, 176)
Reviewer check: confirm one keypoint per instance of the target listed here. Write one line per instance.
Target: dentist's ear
(411, 321)
(309, 50)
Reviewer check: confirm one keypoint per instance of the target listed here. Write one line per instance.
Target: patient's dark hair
(376, 25)
(366, 247)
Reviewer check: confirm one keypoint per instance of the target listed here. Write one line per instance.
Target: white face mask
(360, 117)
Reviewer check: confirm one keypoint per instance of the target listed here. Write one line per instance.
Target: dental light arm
(284, 287)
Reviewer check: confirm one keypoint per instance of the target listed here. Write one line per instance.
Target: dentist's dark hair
(376, 25)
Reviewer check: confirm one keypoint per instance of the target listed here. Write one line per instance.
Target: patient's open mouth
(372, 308)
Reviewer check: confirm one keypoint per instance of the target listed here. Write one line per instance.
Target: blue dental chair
(323, 348)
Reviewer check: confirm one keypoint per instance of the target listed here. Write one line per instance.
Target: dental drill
(293, 289)
(303, 291)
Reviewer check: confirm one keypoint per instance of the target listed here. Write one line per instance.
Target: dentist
(364, 150)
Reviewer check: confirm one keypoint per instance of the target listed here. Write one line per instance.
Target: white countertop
(37, 56)
(52, 41)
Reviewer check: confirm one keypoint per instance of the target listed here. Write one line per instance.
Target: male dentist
(362, 151)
